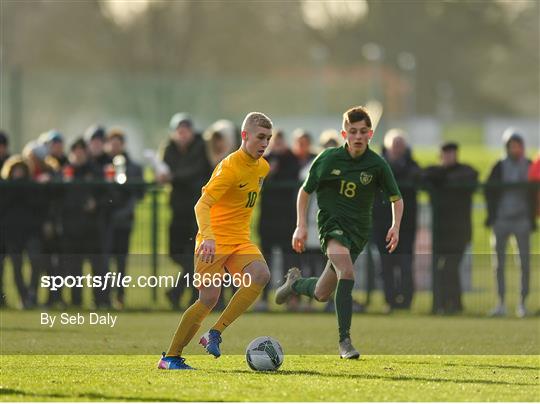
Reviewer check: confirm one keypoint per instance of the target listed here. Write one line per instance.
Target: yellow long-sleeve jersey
(231, 193)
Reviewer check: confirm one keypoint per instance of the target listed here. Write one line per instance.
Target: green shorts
(348, 236)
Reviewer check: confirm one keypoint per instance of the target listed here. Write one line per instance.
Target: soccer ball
(264, 353)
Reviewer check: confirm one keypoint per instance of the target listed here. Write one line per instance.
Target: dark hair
(356, 114)
(4, 138)
(515, 137)
(278, 134)
(302, 134)
(449, 146)
(79, 142)
(95, 132)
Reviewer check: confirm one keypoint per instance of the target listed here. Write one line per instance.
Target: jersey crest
(365, 178)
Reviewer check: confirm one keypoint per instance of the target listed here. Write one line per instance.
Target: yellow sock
(189, 324)
(240, 302)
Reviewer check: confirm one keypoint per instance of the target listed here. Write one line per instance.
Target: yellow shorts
(232, 257)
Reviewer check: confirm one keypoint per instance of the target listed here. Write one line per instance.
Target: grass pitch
(405, 358)
(301, 378)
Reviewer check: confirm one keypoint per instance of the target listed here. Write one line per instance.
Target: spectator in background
(330, 138)
(95, 138)
(511, 211)
(81, 224)
(4, 155)
(54, 141)
(4, 148)
(20, 227)
(302, 149)
(122, 209)
(102, 169)
(51, 236)
(534, 176)
(42, 170)
(278, 195)
(397, 268)
(302, 142)
(451, 187)
(221, 139)
(189, 169)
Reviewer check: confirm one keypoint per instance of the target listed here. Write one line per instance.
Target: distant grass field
(300, 333)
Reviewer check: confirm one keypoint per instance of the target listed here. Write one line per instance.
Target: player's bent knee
(209, 297)
(259, 272)
(321, 296)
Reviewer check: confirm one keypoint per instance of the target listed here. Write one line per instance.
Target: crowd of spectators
(59, 209)
(80, 217)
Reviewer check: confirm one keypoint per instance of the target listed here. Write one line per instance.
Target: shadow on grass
(399, 378)
(78, 396)
(483, 366)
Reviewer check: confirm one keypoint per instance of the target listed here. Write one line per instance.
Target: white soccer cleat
(347, 351)
(286, 290)
(498, 311)
(521, 311)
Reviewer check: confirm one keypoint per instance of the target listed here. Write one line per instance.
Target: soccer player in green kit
(345, 179)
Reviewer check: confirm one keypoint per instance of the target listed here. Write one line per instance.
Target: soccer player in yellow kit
(223, 241)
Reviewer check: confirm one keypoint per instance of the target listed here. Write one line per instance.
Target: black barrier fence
(94, 229)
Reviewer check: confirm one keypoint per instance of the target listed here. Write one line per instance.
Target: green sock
(343, 300)
(305, 286)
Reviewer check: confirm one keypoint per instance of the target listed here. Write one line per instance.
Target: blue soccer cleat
(173, 363)
(210, 341)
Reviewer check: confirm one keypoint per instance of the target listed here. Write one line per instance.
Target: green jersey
(346, 188)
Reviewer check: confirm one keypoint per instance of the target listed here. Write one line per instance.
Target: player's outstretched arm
(392, 237)
(300, 233)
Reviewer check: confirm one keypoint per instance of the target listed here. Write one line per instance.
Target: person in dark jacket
(80, 223)
(278, 195)
(189, 169)
(451, 186)
(397, 268)
(54, 141)
(4, 155)
(95, 136)
(511, 211)
(52, 227)
(123, 199)
(20, 221)
(4, 148)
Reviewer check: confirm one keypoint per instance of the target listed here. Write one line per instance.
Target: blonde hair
(393, 134)
(256, 119)
(11, 163)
